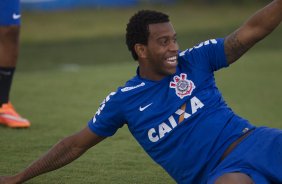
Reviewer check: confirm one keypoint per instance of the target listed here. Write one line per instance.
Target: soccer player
(9, 48)
(172, 104)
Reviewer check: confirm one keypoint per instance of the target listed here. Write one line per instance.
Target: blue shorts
(10, 12)
(259, 156)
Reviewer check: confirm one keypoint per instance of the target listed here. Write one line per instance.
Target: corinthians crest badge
(183, 87)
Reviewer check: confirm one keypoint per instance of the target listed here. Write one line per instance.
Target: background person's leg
(9, 51)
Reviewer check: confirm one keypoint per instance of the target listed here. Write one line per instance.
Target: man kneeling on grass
(174, 110)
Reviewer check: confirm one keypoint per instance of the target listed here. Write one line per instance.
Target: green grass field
(71, 60)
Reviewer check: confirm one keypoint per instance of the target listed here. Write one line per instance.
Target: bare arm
(64, 152)
(262, 23)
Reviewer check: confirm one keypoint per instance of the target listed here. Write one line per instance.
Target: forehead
(161, 29)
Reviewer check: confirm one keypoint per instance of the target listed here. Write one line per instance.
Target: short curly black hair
(137, 30)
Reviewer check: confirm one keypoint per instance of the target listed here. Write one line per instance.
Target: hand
(8, 180)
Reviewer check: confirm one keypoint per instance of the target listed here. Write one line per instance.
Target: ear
(141, 50)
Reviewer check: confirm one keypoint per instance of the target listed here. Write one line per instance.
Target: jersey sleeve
(108, 118)
(208, 55)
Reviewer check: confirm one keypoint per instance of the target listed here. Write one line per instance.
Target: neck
(147, 74)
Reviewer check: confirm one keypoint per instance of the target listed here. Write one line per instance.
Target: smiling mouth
(172, 60)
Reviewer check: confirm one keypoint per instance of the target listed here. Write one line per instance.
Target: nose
(173, 46)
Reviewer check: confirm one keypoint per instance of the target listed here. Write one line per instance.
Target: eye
(164, 41)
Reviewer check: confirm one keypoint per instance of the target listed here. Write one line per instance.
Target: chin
(171, 72)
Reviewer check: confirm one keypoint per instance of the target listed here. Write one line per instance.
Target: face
(160, 54)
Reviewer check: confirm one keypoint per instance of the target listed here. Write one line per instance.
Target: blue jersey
(182, 121)
(10, 12)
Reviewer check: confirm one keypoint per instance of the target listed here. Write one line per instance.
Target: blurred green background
(70, 60)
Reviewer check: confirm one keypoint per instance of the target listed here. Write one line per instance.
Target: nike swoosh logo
(16, 16)
(8, 116)
(145, 107)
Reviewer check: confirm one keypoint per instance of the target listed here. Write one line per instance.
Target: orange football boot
(9, 117)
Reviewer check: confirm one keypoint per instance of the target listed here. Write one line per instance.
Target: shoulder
(208, 55)
(130, 88)
(202, 47)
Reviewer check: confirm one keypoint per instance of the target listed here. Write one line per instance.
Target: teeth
(172, 58)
